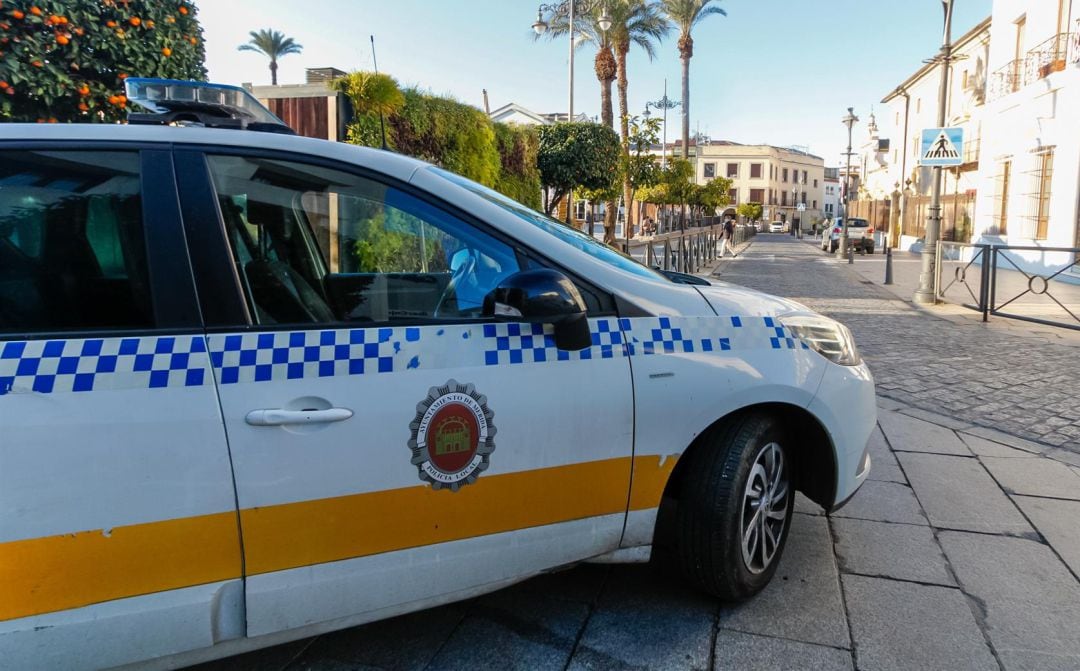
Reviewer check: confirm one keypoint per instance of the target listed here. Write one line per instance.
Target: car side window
(72, 247)
(317, 245)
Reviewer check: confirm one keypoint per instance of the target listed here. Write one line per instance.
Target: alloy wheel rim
(764, 508)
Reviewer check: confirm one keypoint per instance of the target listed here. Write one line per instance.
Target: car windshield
(578, 239)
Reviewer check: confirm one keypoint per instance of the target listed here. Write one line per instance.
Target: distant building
(830, 199)
(514, 113)
(779, 178)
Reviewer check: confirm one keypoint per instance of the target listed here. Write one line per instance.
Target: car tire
(833, 246)
(869, 249)
(724, 545)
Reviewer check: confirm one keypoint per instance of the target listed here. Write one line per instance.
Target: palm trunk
(686, 106)
(606, 69)
(624, 131)
(273, 72)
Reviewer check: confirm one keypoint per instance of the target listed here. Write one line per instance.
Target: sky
(780, 72)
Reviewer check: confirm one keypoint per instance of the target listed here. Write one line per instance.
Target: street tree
(704, 199)
(633, 22)
(576, 155)
(66, 60)
(641, 169)
(588, 33)
(674, 186)
(749, 211)
(685, 15)
(273, 45)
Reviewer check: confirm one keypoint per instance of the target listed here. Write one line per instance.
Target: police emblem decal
(452, 436)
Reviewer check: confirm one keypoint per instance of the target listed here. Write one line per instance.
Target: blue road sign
(942, 146)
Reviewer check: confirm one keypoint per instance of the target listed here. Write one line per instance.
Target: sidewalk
(957, 553)
(1008, 377)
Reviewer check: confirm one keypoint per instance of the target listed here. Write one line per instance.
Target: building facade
(831, 198)
(779, 178)
(1029, 177)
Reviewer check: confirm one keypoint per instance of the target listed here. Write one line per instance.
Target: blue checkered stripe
(95, 364)
(515, 343)
(261, 357)
(667, 335)
(782, 338)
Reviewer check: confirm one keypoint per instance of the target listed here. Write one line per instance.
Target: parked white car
(860, 235)
(255, 387)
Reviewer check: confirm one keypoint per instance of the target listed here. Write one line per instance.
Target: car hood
(731, 299)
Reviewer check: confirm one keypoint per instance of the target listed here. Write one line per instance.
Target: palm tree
(633, 22)
(686, 14)
(588, 32)
(272, 44)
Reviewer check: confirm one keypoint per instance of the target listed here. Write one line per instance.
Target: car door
(392, 447)
(118, 527)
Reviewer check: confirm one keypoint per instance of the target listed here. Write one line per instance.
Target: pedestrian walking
(727, 238)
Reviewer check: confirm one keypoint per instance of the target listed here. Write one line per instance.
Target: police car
(256, 387)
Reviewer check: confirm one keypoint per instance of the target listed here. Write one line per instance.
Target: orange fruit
(84, 90)
(134, 20)
(193, 40)
(63, 19)
(62, 39)
(114, 100)
(37, 64)
(110, 24)
(36, 11)
(83, 107)
(149, 23)
(17, 14)
(10, 91)
(166, 52)
(3, 84)
(52, 119)
(80, 32)
(183, 9)
(122, 76)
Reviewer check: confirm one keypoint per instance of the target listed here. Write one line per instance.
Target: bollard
(888, 265)
(851, 254)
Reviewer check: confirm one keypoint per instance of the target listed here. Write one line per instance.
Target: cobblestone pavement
(959, 552)
(1006, 375)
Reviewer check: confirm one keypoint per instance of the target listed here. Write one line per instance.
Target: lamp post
(849, 121)
(665, 104)
(925, 294)
(568, 7)
(794, 206)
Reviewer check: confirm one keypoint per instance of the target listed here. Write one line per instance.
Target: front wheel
(736, 505)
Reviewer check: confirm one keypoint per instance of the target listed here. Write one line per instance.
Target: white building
(831, 201)
(1029, 175)
(514, 113)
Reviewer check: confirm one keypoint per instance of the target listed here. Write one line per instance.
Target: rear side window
(72, 249)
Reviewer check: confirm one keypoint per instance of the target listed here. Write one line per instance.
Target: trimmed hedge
(455, 136)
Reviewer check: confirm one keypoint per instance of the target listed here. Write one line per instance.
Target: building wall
(1032, 110)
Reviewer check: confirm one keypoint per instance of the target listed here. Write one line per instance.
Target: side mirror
(542, 296)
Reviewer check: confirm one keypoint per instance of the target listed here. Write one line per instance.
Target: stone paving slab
(985, 447)
(957, 493)
(936, 418)
(1035, 477)
(915, 435)
(643, 621)
(1031, 602)
(899, 551)
(407, 642)
(1008, 439)
(1059, 523)
(902, 625)
(530, 631)
(884, 502)
(802, 602)
(806, 506)
(747, 652)
(883, 464)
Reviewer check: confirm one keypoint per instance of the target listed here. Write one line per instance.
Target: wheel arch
(815, 466)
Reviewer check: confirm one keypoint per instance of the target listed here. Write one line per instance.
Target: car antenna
(382, 125)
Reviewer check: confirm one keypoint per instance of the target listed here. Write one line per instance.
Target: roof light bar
(182, 102)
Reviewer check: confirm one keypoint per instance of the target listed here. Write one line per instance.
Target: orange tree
(66, 60)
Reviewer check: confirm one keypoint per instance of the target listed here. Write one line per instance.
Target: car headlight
(827, 337)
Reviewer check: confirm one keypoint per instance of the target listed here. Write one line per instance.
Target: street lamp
(794, 207)
(926, 293)
(849, 121)
(568, 8)
(665, 104)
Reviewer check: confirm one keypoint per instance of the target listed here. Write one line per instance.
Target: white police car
(254, 387)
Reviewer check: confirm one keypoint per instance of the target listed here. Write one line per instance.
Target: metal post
(888, 264)
(925, 293)
(663, 148)
(850, 121)
(570, 117)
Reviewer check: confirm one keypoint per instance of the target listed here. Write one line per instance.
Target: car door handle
(279, 417)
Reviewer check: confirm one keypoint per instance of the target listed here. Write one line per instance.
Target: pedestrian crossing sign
(942, 146)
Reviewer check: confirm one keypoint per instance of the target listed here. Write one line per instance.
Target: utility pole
(925, 294)
(850, 120)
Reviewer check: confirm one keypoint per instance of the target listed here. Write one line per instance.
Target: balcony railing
(1051, 56)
